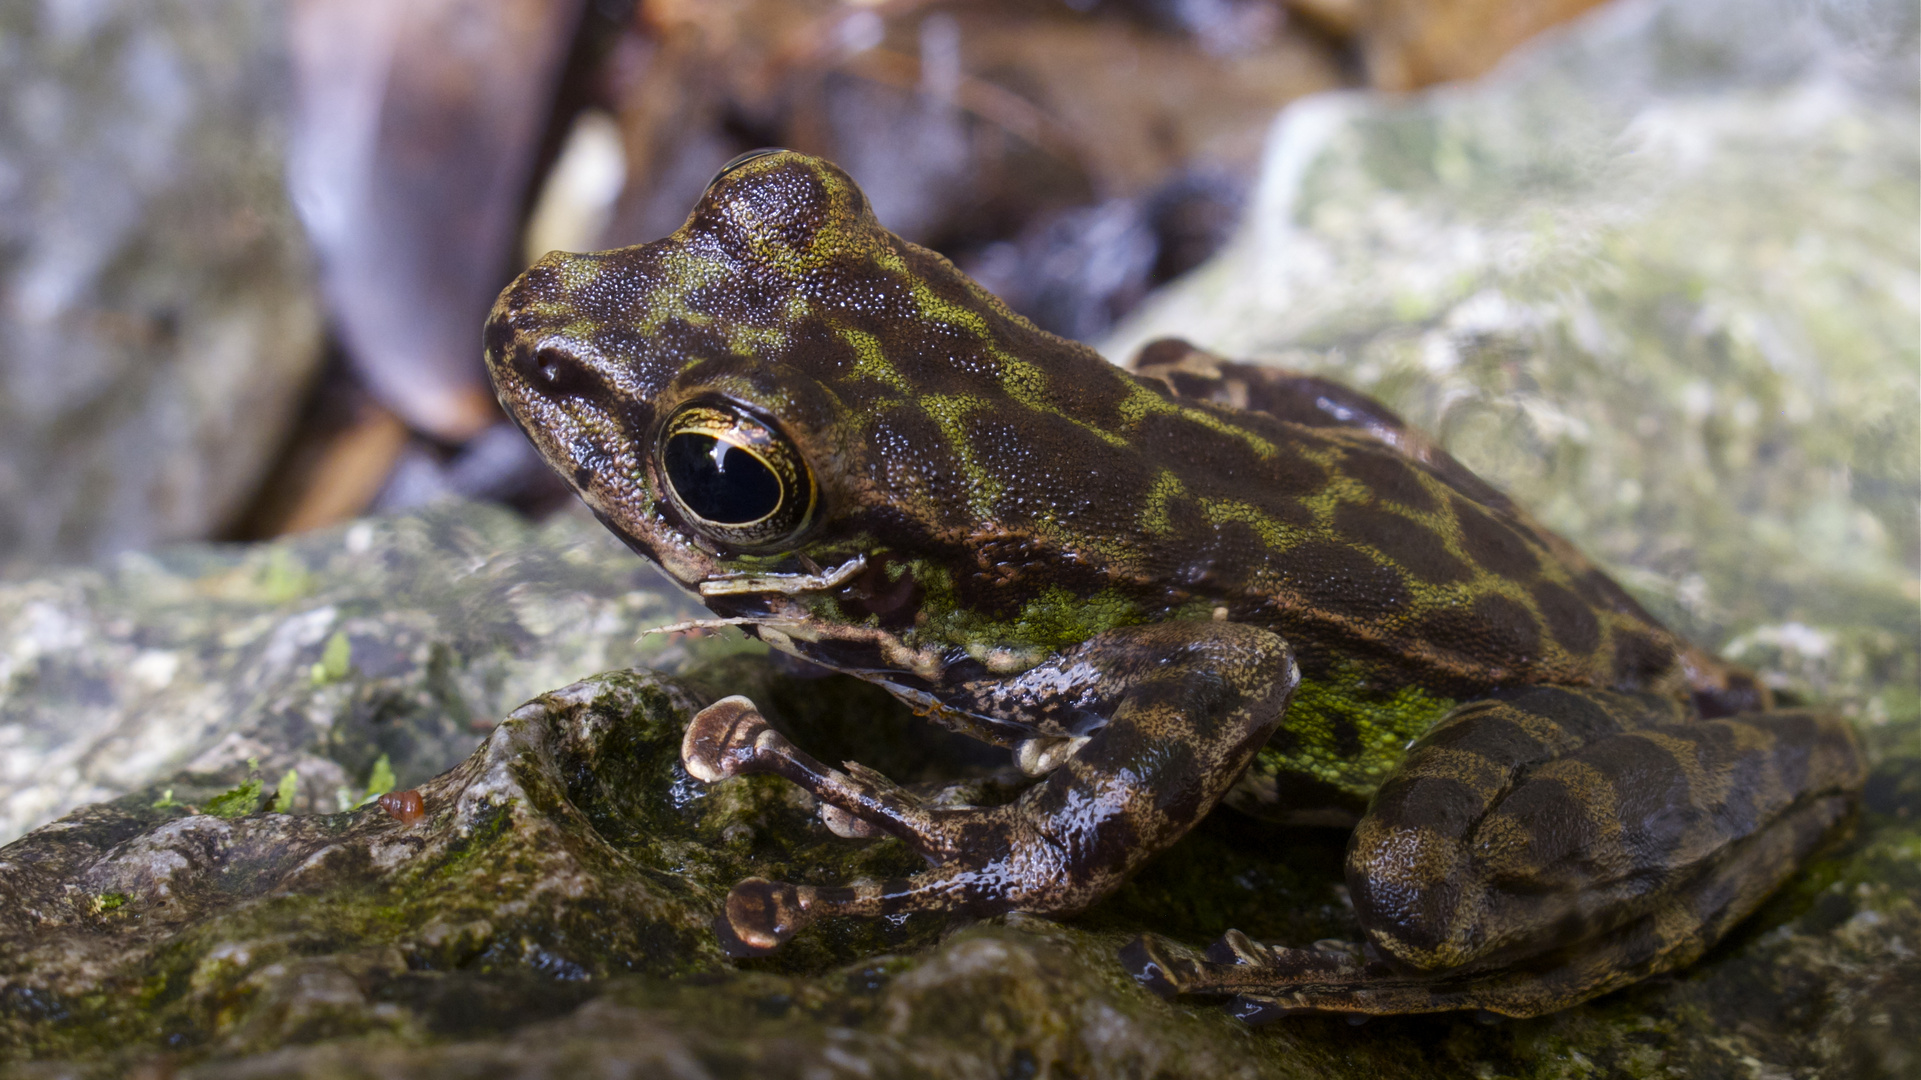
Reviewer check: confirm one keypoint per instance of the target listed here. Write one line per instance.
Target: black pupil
(719, 481)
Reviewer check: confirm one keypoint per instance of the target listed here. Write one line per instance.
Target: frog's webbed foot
(1192, 703)
(731, 738)
(1170, 970)
(1542, 848)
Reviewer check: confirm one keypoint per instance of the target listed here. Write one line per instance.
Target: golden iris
(739, 481)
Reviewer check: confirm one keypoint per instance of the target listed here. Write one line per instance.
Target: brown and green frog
(1162, 589)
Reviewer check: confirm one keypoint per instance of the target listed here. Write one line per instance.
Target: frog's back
(1043, 466)
(1025, 468)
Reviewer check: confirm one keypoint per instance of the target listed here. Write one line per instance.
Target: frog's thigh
(1192, 704)
(1539, 851)
(1448, 870)
(1296, 396)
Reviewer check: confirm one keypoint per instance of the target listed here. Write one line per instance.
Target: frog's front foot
(727, 738)
(1191, 703)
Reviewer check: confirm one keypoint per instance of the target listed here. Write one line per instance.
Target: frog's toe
(723, 739)
(1327, 958)
(759, 915)
(1255, 1010)
(844, 824)
(1235, 947)
(1154, 964)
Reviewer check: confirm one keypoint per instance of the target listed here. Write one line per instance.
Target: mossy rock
(551, 906)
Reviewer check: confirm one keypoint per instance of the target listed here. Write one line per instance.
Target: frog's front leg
(1187, 706)
(1548, 846)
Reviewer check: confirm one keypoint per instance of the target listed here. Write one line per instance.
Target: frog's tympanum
(1195, 582)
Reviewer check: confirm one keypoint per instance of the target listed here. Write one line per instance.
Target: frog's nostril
(553, 370)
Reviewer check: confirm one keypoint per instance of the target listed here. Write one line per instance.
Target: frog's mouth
(816, 580)
(773, 594)
(769, 606)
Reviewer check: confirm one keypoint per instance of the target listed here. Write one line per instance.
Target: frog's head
(784, 404)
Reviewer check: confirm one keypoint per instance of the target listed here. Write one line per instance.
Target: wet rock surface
(403, 639)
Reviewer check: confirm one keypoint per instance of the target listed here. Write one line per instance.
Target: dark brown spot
(1560, 834)
(1211, 462)
(1389, 477)
(909, 457)
(1494, 630)
(1338, 578)
(1412, 546)
(1199, 555)
(1444, 804)
(1347, 737)
(1603, 593)
(1639, 658)
(1058, 473)
(1092, 397)
(1511, 627)
(885, 591)
(817, 349)
(739, 298)
(1493, 543)
(1651, 793)
(1577, 713)
(1738, 693)
(1569, 619)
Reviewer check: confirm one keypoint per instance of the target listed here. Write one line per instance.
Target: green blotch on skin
(336, 660)
(236, 802)
(1055, 620)
(1154, 517)
(873, 362)
(1347, 734)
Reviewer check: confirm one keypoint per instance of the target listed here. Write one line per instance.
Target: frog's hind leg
(1295, 396)
(1541, 849)
(1188, 705)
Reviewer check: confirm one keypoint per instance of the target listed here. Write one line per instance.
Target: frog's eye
(741, 159)
(736, 479)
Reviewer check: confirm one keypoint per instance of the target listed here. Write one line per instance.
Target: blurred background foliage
(245, 246)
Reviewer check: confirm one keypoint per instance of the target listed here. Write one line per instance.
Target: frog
(1162, 588)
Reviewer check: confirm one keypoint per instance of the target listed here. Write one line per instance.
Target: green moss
(336, 660)
(237, 801)
(285, 791)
